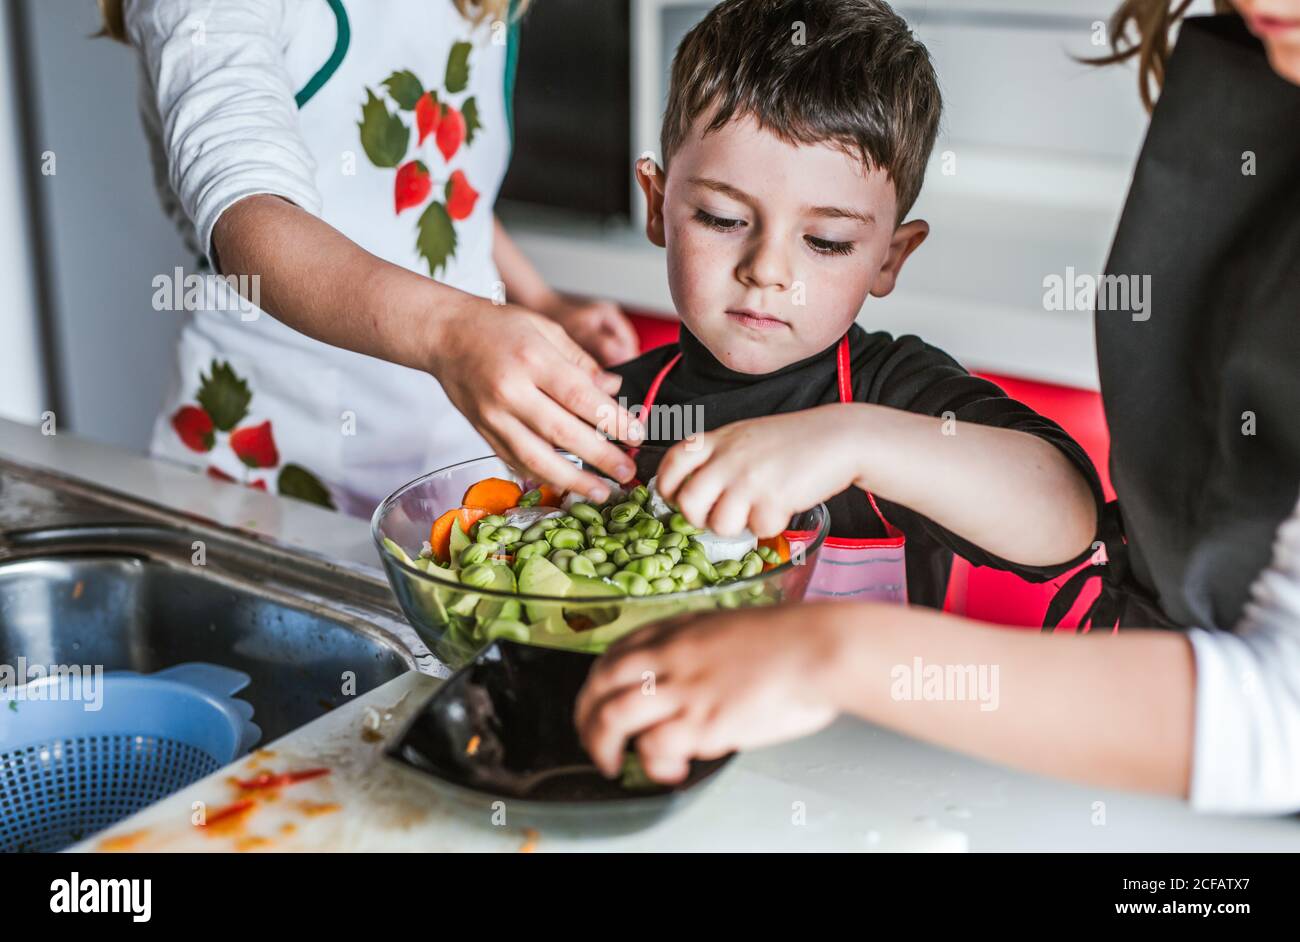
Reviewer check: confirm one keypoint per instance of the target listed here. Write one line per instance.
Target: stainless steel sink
(94, 578)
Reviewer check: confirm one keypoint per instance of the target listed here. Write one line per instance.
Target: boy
(794, 143)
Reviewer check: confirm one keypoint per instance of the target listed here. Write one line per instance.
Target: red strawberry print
(412, 186)
(257, 485)
(461, 197)
(255, 446)
(427, 113)
(451, 132)
(220, 475)
(194, 426)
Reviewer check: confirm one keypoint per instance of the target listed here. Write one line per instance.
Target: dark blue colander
(67, 771)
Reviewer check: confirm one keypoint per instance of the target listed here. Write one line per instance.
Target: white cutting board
(370, 803)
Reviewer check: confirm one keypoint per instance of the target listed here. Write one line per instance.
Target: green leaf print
(405, 88)
(384, 136)
(224, 396)
(297, 481)
(469, 111)
(458, 67)
(437, 238)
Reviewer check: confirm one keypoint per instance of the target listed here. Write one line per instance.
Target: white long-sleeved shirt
(1247, 741)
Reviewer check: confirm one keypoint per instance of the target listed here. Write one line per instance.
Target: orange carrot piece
(782, 547)
(440, 532)
(493, 495)
(550, 496)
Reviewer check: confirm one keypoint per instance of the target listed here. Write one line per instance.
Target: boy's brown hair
(847, 72)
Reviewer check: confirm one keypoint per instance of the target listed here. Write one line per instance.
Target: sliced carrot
(440, 532)
(493, 495)
(782, 547)
(550, 496)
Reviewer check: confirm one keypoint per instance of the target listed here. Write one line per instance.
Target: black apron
(1218, 355)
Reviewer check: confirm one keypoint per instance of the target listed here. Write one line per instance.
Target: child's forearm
(1008, 492)
(1114, 710)
(322, 284)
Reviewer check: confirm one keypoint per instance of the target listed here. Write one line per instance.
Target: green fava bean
(508, 534)
(644, 547)
(606, 569)
(473, 554)
(751, 565)
(650, 529)
(595, 554)
(674, 539)
(492, 520)
(582, 566)
(539, 529)
(728, 568)
(685, 573)
(621, 557)
(672, 553)
(639, 495)
(586, 513)
(479, 576)
(566, 538)
(630, 582)
(769, 555)
(662, 585)
(679, 524)
(486, 535)
(623, 513)
(594, 530)
(539, 548)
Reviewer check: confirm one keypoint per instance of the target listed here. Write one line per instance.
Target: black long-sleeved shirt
(902, 373)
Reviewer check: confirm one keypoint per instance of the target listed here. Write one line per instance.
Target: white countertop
(860, 787)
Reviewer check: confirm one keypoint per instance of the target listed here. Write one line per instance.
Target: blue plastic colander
(67, 772)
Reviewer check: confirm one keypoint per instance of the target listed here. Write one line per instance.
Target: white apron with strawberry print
(403, 108)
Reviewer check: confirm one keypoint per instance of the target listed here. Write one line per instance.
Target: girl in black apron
(1202, 394)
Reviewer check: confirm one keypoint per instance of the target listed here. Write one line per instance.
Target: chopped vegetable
(440, 532)
(493, 495)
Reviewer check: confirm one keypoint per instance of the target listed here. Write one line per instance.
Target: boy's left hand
(704, 686)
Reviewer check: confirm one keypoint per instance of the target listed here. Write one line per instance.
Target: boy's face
(772, 247)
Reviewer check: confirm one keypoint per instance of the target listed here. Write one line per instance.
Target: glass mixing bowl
(456, 621)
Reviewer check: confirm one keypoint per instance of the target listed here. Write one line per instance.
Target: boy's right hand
(529, 389)
(757, 473)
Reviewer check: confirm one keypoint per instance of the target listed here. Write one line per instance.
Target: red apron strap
(844, 374)
(653, 392)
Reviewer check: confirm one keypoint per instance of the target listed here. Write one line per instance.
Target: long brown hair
(1152, 21)
(476, 11)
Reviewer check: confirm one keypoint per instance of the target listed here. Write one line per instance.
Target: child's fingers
(666, 749)
(540, 459)
(620, 716)
(679, 462)
(560, 429)
(768, 519)
(730, 513)
(581, 396)
(615, 670)
(701, 491)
